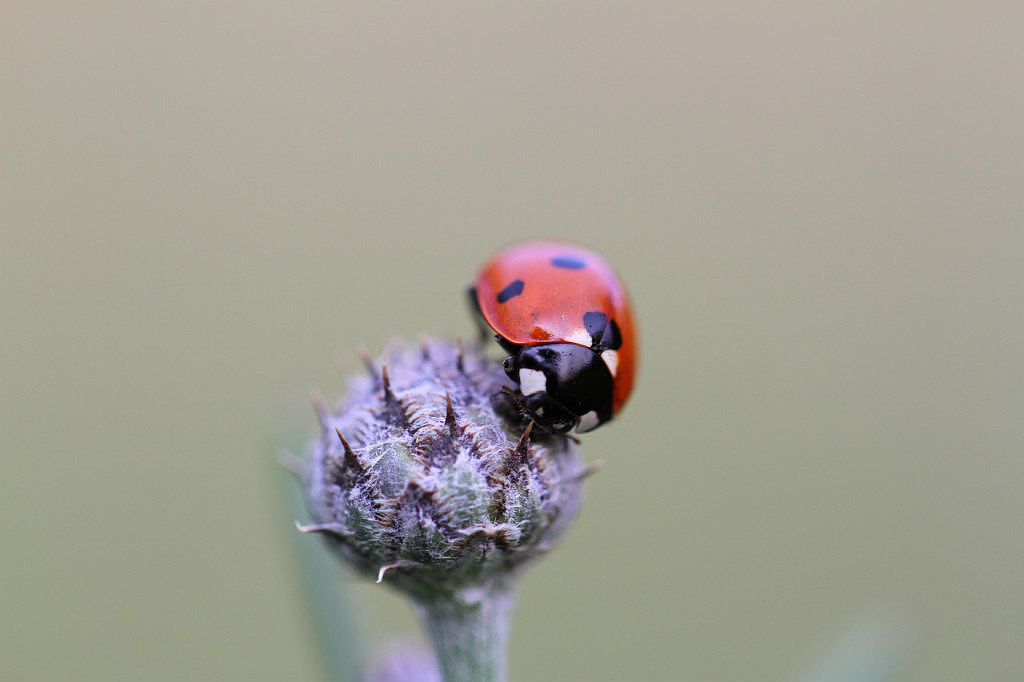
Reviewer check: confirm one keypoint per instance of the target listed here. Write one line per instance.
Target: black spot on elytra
(511, 291)
(568, 262)
(595, 323)
(604, 332)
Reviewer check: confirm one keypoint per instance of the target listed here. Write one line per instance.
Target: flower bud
(428, 476)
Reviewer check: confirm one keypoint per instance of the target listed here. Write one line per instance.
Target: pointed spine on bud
(389, 395)
(519, 456)
(294, 464)
(320, 408)
(449, 418)
(351, 460)
(371, 369)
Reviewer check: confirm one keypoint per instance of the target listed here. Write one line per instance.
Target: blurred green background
(819, 209)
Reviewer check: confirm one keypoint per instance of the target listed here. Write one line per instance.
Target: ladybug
(564, 317)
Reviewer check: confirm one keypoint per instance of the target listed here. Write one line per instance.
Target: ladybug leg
(484, 331)
(524, 411)
(521, 408)
(513, 395)
(527, 414)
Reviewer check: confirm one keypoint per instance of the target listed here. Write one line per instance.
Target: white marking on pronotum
(581, 337)
(611, 358)
(532, 381)
(587, 422)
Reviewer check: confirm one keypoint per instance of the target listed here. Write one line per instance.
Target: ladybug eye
(508, 364)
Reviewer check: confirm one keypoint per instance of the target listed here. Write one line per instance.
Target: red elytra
(538, 293)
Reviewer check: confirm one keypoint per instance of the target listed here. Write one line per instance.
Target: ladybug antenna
(514, 397)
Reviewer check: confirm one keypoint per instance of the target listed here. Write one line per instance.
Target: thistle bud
(428, 477)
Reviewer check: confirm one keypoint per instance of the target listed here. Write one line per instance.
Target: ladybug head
(563, 385)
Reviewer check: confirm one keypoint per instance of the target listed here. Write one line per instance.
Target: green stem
(469, 630)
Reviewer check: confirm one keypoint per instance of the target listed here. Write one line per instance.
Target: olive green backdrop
(819, 211)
